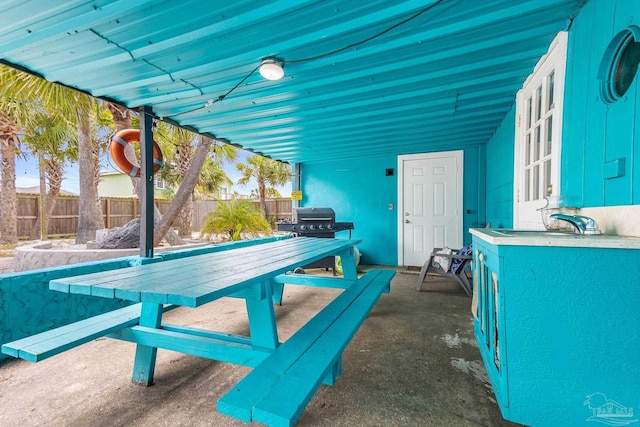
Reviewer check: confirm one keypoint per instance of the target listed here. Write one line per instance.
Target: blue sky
(27, 175)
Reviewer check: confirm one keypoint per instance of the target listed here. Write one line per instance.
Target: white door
(538, 137)
(429, 205)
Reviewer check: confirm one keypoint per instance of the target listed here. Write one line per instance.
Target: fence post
(275, 210)
(107, 210)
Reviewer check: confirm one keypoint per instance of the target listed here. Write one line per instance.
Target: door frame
(459, 154)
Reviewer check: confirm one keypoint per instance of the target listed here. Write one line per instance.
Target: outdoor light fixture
(271, 69)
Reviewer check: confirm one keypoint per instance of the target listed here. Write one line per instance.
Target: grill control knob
(329, 226)
(312, 227)
(302, 228)
(320, 227)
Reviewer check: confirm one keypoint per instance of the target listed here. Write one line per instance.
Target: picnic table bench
(277, 391)
(290, 371)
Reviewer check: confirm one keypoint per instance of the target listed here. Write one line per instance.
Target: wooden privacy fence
(277, 209)
(117, 211)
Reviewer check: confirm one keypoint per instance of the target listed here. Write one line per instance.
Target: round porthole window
(619, 64)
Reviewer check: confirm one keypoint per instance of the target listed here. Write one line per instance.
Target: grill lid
(314, 222)
(301, 215)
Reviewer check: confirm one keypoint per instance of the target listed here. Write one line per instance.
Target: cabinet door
(488, 308)
(496, 320)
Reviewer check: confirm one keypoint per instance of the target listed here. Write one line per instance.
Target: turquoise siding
(596, 135)
(499, 171)
(359, 191)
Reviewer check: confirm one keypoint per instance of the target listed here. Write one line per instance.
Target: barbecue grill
(316, 222)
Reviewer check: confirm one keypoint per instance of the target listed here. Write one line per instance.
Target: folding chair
(460, 258)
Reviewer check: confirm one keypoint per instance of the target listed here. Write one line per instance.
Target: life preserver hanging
(117, 145)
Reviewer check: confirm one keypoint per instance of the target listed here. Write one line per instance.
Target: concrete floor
(414, 362)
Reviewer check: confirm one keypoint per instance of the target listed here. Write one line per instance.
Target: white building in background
(36, 190)
(115, 184)
(118, 184)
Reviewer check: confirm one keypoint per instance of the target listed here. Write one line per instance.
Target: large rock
(125, 237)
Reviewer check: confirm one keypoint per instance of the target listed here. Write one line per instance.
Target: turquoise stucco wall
(499, 167)
(359, 191)
(596, 134)
(27, 306)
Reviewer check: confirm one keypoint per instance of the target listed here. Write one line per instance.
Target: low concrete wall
(44, 254)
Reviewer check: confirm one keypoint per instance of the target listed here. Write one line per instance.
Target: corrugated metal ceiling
(442, 80)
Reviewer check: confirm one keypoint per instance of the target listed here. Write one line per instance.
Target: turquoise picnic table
(257, 274)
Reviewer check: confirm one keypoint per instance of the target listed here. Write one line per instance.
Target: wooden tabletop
(196, 280)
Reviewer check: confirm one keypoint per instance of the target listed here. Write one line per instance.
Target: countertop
(500, 236)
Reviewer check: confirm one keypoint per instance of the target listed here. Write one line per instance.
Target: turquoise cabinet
(557, 322)
(488, 309)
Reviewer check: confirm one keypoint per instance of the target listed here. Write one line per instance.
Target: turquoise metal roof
(359, 81)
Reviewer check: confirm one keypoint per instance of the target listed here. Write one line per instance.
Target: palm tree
(178, 144)
(22, 96)
(9, 143)
(185, 154)
(212, 178)
(121, 116)
(265, 172)
(102, 122)
(54, 138)
(185, 192)
(236, 218)
(270, 192)
(89, 214)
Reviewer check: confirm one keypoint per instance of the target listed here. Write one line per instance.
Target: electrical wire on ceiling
(210, 102)
(368, 39)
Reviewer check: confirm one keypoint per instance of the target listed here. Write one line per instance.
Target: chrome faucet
(582, 224)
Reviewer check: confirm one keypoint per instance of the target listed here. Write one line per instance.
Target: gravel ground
(7, 264)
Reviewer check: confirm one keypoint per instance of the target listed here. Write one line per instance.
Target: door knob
(406, 214)
(406, 221)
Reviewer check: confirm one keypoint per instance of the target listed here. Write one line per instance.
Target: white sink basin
(509, 237)
(538, 233)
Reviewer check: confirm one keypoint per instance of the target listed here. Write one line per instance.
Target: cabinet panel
(571, 331)
(489, 322)
(495, 330)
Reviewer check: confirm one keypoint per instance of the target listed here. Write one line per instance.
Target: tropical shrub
(234, 220)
